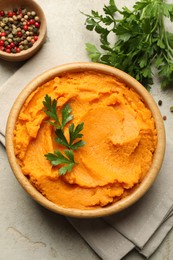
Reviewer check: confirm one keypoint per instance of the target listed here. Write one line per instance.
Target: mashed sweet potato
(119, 132)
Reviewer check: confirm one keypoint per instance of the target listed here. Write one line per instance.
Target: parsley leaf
(50, 109)
(74, 132)
(93, 52)
(66, 115)
(61, 139)
(140, 40)
(57, 158)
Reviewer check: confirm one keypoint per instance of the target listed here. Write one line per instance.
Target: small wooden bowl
(8, 5)
(148, 179)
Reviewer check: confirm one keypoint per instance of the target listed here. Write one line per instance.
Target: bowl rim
(26, 54)
(130, 81)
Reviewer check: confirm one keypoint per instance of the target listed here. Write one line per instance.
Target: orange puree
(119, 132)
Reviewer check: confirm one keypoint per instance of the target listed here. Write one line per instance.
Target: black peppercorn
(30, 44)
(15, 10)
(160, 102)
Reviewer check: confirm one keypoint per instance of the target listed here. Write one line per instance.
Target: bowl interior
(139, 191)
(31, 5)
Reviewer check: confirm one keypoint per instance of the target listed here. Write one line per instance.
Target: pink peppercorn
(32, 40)
(2, 48)
(2, 13)
(1, 43)
(3, 34)
(17, 49)
(19, 34)
(8, 50)
(25, 27)
(12, 44)
(32, 21)
(8, 46)
(37, 25)
(10, 14)
(35, 38)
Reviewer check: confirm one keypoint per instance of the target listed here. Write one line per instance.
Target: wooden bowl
(8, 5)
(148, 179)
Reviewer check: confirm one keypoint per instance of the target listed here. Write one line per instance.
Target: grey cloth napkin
(142, 226)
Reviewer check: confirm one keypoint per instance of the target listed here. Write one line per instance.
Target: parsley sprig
(58, 158)
(141, 40)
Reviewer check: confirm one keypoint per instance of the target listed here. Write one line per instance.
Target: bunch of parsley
(141, 40)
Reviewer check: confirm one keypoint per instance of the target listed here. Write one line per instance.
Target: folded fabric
(143, 225)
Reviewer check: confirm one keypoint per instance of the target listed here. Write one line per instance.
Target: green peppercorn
(10, 35)
(25, 47)
(14, 31)
(18, 40)
(13, 50)
(6, 43)
(21, 47)
(5, 20)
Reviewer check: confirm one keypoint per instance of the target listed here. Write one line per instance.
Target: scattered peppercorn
(19, 29)
(164, 118)
(171, 109)
(160, 102)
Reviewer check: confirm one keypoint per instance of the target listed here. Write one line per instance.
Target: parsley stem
(163, 34)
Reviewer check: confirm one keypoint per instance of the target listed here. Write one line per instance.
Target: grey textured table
(28, 231)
